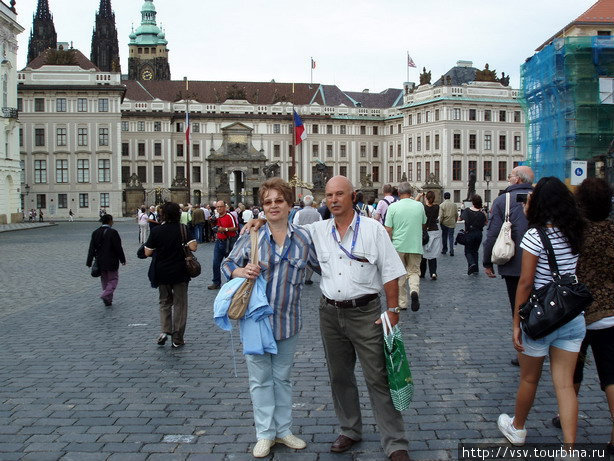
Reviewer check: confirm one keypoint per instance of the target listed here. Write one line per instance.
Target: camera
(521, 198)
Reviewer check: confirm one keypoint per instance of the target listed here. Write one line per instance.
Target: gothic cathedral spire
(105, 46)
(43, 34)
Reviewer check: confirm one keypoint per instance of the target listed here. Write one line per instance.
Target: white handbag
(503, 249)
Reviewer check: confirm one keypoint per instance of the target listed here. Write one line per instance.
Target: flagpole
(187, 139)
(311, 67)
(407, 67)
(293, 148)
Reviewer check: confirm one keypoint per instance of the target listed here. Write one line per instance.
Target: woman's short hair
(476, 201)
(430, 196)
(280, 186)
(171, 212)
(594, 197)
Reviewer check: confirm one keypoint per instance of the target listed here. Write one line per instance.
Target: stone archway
(236, 169)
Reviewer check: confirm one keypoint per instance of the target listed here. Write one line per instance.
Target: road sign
(578, 172)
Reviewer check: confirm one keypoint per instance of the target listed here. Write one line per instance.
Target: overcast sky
(356, 44)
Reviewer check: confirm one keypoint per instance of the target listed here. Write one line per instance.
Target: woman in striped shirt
(551, 207)
(284, 253)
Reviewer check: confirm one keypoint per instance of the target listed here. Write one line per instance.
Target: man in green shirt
(405, 220)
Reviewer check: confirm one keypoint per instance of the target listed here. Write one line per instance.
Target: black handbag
(95, 268)
(461, 237)
(556, 303)
(191, 262)
(425, 237)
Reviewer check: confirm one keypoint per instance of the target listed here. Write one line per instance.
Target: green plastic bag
(400, 381)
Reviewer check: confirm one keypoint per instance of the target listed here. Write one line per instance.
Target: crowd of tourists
(362, 249)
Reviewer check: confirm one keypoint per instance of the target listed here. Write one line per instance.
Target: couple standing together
(356, 259)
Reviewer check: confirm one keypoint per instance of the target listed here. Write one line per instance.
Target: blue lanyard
(350, 254)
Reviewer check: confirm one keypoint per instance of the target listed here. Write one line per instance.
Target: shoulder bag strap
(507, 207)
(554, 267)
(254, 241)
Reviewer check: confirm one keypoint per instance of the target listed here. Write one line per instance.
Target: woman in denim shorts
(551, 207)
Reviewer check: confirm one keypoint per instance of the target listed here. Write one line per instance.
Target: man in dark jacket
(520, 180)
(106, 247)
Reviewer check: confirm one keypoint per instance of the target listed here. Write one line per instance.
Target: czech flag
(299, 130)
(186, 129)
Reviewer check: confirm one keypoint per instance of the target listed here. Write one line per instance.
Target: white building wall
(10, 171)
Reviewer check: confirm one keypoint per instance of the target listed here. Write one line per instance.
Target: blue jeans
(219, 253)
(447, 238)
(198, 232)
(271, 389)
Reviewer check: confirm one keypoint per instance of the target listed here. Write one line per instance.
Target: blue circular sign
(579, 172)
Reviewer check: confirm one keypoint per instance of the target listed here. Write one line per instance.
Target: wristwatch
(396, 310)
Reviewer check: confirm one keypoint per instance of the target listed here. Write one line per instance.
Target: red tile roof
(602, 11)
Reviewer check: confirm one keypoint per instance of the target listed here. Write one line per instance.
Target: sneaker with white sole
(262, 448)
(506, 426)
(292, 441)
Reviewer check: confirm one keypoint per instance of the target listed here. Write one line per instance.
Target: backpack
(364, 210)
(394, 199)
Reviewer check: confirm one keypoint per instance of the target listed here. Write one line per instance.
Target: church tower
(43, 34)
(105, 46)
(148, 55)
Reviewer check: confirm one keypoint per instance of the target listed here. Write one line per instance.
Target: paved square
(80, 381)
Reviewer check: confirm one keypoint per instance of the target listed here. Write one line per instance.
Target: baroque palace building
(132, 131)
(11, 182)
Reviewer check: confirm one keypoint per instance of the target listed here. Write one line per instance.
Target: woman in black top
(475, 220)
(170, 274)
(433, 247)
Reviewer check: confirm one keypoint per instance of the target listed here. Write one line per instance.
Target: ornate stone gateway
(236, 169)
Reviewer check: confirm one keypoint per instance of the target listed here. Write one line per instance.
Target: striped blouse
(284, 271)
(565, 259)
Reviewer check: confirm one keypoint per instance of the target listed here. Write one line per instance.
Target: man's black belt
(357, 302)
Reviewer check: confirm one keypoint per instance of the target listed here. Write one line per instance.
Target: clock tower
(147, 51)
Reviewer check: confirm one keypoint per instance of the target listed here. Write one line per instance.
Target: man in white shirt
(383, 204)
(247, 215)
(360, 250)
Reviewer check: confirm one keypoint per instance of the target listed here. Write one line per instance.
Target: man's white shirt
(344, 278)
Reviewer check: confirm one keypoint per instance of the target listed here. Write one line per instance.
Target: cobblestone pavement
(24, 226)
(83, 382)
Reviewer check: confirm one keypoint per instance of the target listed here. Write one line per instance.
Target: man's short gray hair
(308, 200)
(405, 188)
(524, 176)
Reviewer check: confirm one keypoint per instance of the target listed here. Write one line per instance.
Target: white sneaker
(292, 441)
(262, 448)
(506, 426)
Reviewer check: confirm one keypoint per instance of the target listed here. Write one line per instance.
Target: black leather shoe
(415, 301)
(162, 339)
(342, 444)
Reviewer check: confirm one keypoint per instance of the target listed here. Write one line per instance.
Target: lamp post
(487, 192)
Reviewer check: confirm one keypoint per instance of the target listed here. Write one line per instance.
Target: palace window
(157, 126)
(487, 142)
(103, 136)
(104, 170)
(103, 105)
(105, 200)
(516, 143)
(158, 149)
(60, 105)
(39, 137)
(61, 171)
(81, 104)
(40, 171)
(502, 170)
(456, 170)
(157, 177)
(82, 136)
(457, 141)
(39, 104)
(83, 170)
(125, 149)
(472, 141)
(60, 136)
(502, 142)
(84, 201)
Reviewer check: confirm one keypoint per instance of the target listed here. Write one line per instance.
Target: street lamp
(487, 178)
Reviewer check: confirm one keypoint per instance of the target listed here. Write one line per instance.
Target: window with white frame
(81, 104)
(487, 142)
(40, 171)
(60, 105)
(83, 170)
(60, 136)
(62, 200)
(105, 200)
(276, 128)
(456, 115)
(84, 201)
(82, 136)
(61, 171)
(103, 105)
(103, 136)
(125, 126)
(104, 170)
(157, 126)
(140, 126)
(195, 127)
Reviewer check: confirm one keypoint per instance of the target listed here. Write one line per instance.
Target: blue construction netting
(566, 119)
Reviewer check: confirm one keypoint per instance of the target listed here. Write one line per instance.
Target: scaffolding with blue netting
(566, 115)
